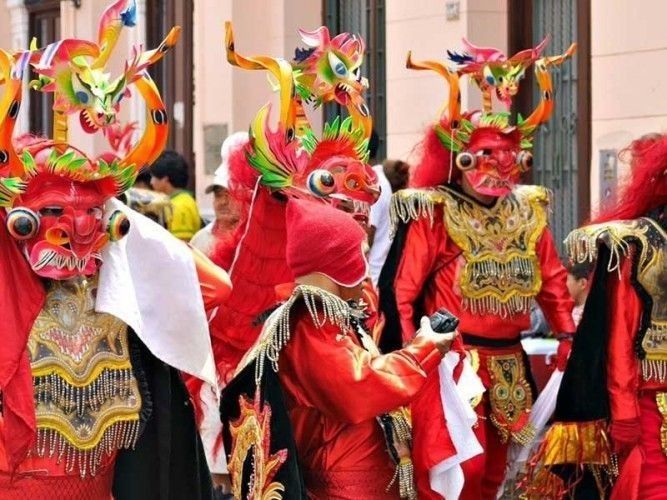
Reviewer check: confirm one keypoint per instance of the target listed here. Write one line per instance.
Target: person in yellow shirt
(169, 175)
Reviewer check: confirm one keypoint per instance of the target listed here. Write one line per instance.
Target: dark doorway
(44, 26)
(562, 147)
(174, 74)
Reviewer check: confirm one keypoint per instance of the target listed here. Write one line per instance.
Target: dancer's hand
(443, 341)
(563, 352)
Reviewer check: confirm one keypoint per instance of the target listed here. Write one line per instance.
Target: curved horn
(280, 69)
(11, 71)
(155, 135)
(453, 104)
(545, 107)
(114, 18)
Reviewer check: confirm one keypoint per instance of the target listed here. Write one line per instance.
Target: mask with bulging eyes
(58, 216)
(493, 161)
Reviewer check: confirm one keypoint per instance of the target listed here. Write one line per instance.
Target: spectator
(143, 180)
(169, 175)
(226, 209)
(578, 284)
(392, 176)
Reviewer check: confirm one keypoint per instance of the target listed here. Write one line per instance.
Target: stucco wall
(229, 95)
(629, 75)
(415, 98)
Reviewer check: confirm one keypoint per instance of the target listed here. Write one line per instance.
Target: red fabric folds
(22, 296)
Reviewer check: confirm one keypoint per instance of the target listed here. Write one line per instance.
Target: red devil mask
(493, 162)
(57, 216)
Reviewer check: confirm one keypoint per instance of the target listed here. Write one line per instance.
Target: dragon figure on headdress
(484, 145)
(81, 86)
(74, 70)
(287, 161)
(491, 70)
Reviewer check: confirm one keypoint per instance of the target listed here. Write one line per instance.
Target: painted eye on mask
(81, 92)
(337, 66)
(465, 161)
(22, 223)
(51, 211)
(118, 225)
(321, 183)
(488, 76)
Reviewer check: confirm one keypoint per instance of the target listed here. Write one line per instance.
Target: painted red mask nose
(84, 223)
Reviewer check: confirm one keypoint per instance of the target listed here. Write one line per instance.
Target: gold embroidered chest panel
(501, 274)
(87, 400)
(649, 240)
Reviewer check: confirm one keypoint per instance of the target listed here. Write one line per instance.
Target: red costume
(342, 397)
(618, 418)
(93, 328)
(290, 161)
(483, 262)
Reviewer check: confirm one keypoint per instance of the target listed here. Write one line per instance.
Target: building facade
(609, 94)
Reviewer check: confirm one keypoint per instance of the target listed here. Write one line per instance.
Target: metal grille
(367, 18)
(555, 148)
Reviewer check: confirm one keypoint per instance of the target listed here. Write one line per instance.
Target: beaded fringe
(582, 246)
(51, 389)
(110, 384)
(492, 305)
(411, 204)
(52, 443)
(322, 306)
(526, 435)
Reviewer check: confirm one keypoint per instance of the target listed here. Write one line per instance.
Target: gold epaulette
(583, 243)
(413, 204)
(538, 194)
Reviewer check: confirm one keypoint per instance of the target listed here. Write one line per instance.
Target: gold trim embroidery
(661, 400)
(87, 399)
(510, 397)
(650, 241)
(251, 433)
(501, 274)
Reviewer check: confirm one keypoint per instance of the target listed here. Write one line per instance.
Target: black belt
(475, 340)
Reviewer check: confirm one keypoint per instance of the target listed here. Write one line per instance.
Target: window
(562, 147)
(367, 18)
(43, 25)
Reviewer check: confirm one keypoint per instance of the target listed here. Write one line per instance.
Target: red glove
(625, 435)
(563, 352)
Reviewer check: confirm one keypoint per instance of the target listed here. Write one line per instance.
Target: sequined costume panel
(501, 274)
(87, 401)
(475, 269)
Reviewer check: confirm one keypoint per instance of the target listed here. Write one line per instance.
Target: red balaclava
(321, 239)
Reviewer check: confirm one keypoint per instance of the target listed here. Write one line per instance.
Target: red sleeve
(553, 298)
(423, 243)
(339, 378)
(625, 309)
(213, 281)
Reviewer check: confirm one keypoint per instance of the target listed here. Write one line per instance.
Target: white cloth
(203, 240)
(542, 410)
(447, 478)
(210, 430)
(379, 218)
(149, 281)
